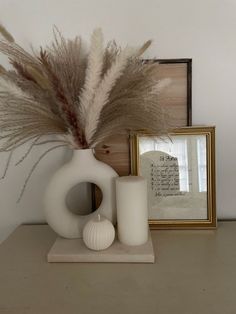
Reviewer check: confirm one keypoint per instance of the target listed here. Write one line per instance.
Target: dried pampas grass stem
(7, 164)
(28, 151)
(35, 166)
(81, 97)
(6, 34)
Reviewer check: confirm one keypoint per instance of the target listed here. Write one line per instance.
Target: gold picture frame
(164, 177)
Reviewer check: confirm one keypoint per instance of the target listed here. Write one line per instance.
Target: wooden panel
(115, 152)
(176, 97)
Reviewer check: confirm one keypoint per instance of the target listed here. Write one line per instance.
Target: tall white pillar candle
(132, 210)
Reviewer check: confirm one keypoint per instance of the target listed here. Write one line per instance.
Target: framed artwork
(180, 173)
(176, 97)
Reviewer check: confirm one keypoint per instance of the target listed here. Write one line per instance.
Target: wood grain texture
(176, 98)
(115, 152)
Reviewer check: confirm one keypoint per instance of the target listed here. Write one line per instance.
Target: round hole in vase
(84, 198)
(83, 167)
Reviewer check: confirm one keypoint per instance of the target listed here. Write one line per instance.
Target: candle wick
(99, 217)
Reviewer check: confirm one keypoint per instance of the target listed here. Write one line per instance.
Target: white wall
(204, 30)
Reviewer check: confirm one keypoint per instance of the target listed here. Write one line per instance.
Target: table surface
(194, 273)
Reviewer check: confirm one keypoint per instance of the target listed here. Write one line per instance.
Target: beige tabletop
(194, 273)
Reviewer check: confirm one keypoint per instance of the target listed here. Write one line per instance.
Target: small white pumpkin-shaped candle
(98, 233)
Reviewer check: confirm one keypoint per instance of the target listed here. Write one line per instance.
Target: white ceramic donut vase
(98, 233)
(83, 167)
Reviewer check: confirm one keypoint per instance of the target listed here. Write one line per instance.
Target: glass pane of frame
(180, 173)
